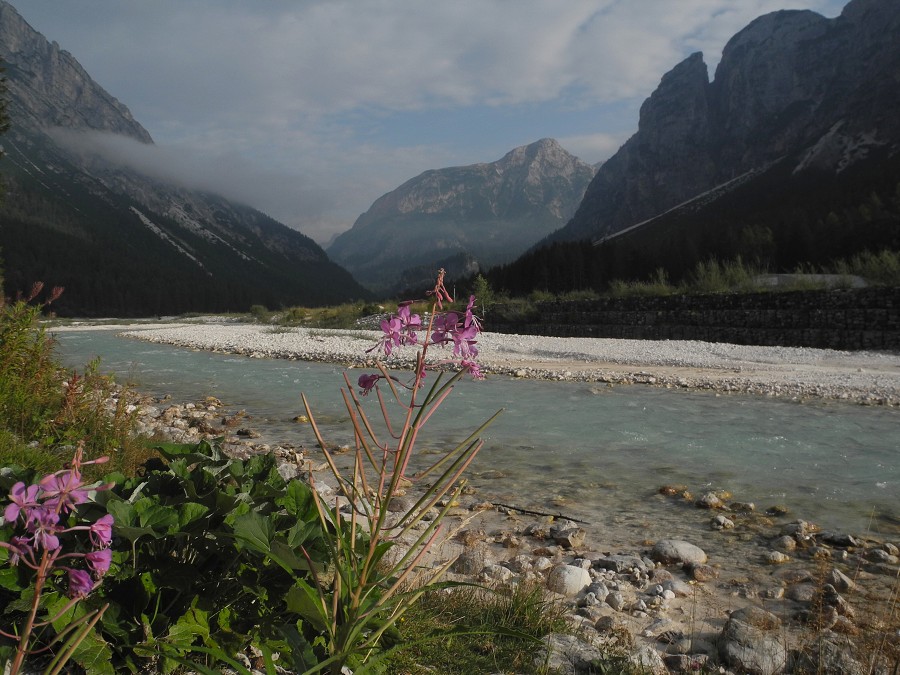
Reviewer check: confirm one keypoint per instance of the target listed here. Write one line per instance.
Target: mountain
(121, 242)
(793, 90)
(490, 212)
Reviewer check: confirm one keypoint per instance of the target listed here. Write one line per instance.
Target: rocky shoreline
(760, 592)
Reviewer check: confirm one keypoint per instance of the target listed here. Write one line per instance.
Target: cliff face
(162, 247)
(490, 211)
(792, 84)
(49, 88)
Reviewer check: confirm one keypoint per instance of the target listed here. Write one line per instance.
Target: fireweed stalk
(52, 541)
(370, 592)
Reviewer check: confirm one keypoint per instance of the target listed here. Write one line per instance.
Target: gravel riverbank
(799, 373)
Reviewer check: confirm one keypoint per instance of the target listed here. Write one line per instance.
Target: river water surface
(591, 451)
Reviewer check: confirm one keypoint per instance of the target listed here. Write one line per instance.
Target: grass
(474, 621)
(45, 409)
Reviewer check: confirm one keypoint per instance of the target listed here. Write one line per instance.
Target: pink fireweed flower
(80, 584)
(101, 531)
(473, 368)
(471, 319)
(44, 526)
(23, 499)
(399, 330)
(19, 547)
(367, 382)
(63, 491)
(99, 561)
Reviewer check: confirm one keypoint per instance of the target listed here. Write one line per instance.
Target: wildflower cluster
(45, 526)
(444, 329)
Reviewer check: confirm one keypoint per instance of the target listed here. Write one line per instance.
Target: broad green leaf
(9, 579)
(301, 533)
(94, 655)
(304, 600)
(254, 530)
(298, 500)
(189, 512)
(122, 512)
(157, 516)
(302, 657)
(192, 625)
(132, 534)
(285, 556)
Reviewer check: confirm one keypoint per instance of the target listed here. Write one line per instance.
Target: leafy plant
(49, 535)
(197, 537)
(369, 591)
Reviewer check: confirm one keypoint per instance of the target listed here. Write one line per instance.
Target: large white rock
(568, 580)
(669, 551)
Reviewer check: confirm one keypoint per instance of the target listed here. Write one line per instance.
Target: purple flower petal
(80, 584)
(101, 531)
(99, 561)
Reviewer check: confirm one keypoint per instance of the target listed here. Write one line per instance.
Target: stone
(615, 600)
(620, 563)
(678, 588)
(568, 580)
(598, 590)
(839, 540)
(775, 558)
(645, 659)
(720, 522)
(567, 654)
(470, 562)
(703, 573)
(497, 573)
(879, 555)
(802, 592)
(785, 543)
(670, 551)
(841, 581)
(710, 501)
(750, 642)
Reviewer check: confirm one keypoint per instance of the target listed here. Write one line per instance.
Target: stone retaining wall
(850, 319)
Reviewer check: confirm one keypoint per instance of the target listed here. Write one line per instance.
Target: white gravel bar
(793, 372)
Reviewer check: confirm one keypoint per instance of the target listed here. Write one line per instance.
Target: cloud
(280, 195)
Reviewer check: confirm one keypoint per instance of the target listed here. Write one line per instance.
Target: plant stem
(39, 582)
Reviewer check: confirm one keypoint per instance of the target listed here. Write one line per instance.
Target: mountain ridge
(488, 210)
(163, 247)
(782, 84)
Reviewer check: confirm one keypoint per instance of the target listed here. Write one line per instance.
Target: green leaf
(301, 533)
(122, 512)
(189, 512)
(192, 625)
(298, 500)
(304, 600)
(156, 516)
(302, 657)
(94, 655)
(255, 531)
(9, 579)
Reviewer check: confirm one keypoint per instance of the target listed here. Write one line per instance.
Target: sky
(309, 110)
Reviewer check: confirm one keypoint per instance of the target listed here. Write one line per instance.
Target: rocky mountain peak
(49, 88)
(790, 81)
(491, 211)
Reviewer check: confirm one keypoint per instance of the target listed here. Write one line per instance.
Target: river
(589, 450)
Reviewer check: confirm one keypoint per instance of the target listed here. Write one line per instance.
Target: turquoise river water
(588, 449)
